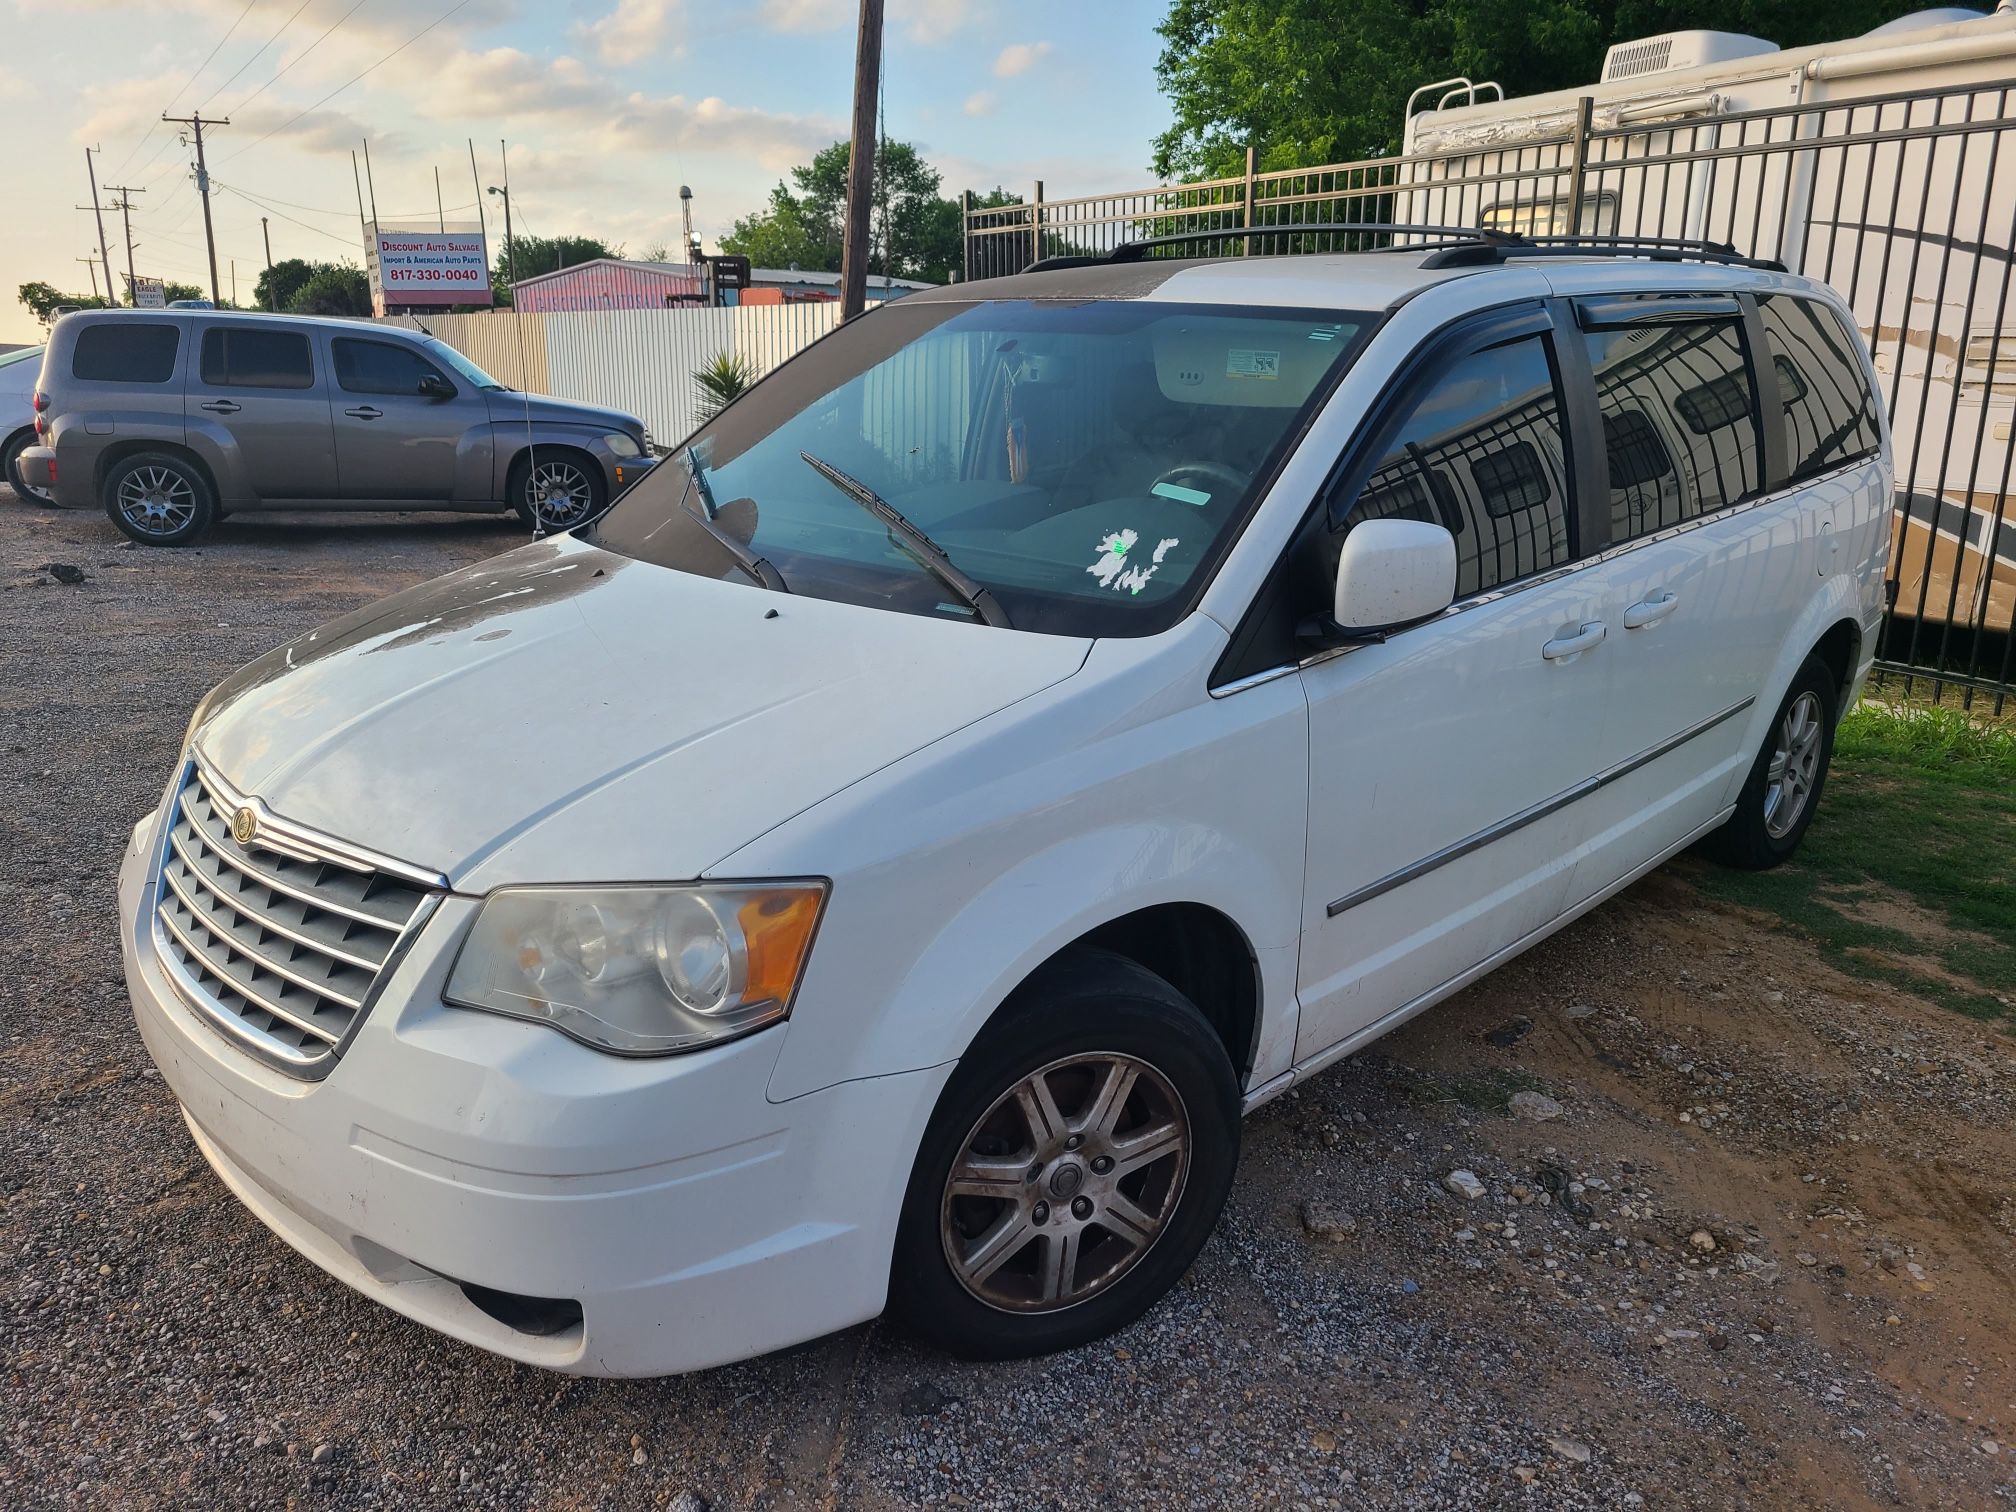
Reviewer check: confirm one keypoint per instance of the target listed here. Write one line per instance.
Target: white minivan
(876, 863)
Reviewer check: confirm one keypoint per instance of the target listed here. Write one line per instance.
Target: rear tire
(1782, 792)
(555, 489)
(1051, 1239)
(159, 498)
(10, 469)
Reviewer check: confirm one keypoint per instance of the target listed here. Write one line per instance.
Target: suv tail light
(41, 401)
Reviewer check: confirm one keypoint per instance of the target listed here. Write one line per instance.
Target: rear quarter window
(122, 351)
(1830, 412)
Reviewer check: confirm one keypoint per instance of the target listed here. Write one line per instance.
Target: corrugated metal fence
(639, 361)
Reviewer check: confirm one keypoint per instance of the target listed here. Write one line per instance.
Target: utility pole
(125, 209)
(440, 214)
(91, 172)
(482, 220)
(234, 283)
(92, 264)
(861, 162)
(369, 182)
(197, 122)
(510, 250)
(267, 237)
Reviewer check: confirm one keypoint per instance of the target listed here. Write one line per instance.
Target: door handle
(221, 407)
(1650, 611)
(1564, 646)
(364, 412)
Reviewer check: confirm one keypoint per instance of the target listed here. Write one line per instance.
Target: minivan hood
(510, 407)
(563, 714)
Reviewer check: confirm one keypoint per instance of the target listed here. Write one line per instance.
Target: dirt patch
(1885, 908)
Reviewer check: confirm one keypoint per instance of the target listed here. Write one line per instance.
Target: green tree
(1324, 81)
(171, 291)
(44, 299)
(522, 257)
(333, 289)
(722, 381)
(914, 231)
(278, 285)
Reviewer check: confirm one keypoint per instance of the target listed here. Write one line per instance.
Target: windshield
(454, 359)
(1087, 463)
(8, 359)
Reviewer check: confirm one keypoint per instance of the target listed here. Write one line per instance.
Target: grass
(1908, 875)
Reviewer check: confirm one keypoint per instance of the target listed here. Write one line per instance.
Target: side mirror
(1393, 573)
(434, 386)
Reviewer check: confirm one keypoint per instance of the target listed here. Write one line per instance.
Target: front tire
(552, 489)
(1076, 1163)
(1782, 792)
(10, 469)
(159, 499)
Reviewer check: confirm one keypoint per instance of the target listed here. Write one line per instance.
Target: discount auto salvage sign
(432, 267)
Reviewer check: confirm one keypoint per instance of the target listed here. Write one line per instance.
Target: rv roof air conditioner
(1677, 50)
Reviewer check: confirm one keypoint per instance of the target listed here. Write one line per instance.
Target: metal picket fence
(1904, 202)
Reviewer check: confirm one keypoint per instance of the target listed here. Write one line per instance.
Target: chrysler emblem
(244, 826)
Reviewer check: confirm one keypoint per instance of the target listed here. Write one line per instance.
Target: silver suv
(170, 419)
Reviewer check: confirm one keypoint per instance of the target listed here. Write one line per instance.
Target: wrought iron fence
(1904, 202)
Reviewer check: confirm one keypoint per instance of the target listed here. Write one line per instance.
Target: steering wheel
(1212, 472)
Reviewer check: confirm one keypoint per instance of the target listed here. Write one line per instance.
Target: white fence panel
(638, 361)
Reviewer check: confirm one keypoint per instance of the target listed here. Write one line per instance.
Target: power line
(304, 225)
(156, 125)
(256, 54)
(240, 107)
(351, 80)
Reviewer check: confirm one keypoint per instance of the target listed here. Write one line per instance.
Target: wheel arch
(119, 451)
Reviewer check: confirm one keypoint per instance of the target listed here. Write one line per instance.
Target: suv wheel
(1075, 1165)
(159, 499)
(10, 457)
(1783, 790)
(557, 489)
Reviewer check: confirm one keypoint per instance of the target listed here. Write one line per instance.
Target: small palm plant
(723, 380)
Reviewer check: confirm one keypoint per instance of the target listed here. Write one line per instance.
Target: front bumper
(451, 1156)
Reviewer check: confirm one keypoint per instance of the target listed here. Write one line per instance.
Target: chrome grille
(281, 941)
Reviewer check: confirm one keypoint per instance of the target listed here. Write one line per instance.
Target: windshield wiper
(926, 552)
(758, 567)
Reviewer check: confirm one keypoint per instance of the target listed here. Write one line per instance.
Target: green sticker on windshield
(1181, 494)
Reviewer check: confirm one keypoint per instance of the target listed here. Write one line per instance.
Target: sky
(608, 106)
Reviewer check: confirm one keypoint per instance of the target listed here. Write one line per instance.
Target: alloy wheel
(1795, 764)
(560, 493)
(156, 501)
(1065, 1183)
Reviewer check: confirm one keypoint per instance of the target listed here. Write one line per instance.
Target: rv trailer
(1884, 165)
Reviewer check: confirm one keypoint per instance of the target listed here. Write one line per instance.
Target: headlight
(622, 445)
(640, 970)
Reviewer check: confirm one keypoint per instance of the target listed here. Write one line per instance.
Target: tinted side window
(379, 367)
(1679, 422)
(121, 351)
(1830, 413)
(1483, 453)
(256, 359)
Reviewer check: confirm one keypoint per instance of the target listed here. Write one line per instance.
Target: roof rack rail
(1446, 246)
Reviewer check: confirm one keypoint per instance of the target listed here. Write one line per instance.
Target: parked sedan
(170, 419)
(17, 418)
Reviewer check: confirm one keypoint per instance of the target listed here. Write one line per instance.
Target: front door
(259, 396)
(1445, 762)
(400, 421)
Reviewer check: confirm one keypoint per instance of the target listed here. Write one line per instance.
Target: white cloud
(1019, 58)
(982, 103)
(924, 21)
(632, 31)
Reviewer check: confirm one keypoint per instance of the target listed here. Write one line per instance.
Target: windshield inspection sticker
(1248, 362)
(1115, 569)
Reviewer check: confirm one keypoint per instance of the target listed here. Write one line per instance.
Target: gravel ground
(1743, 1238)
